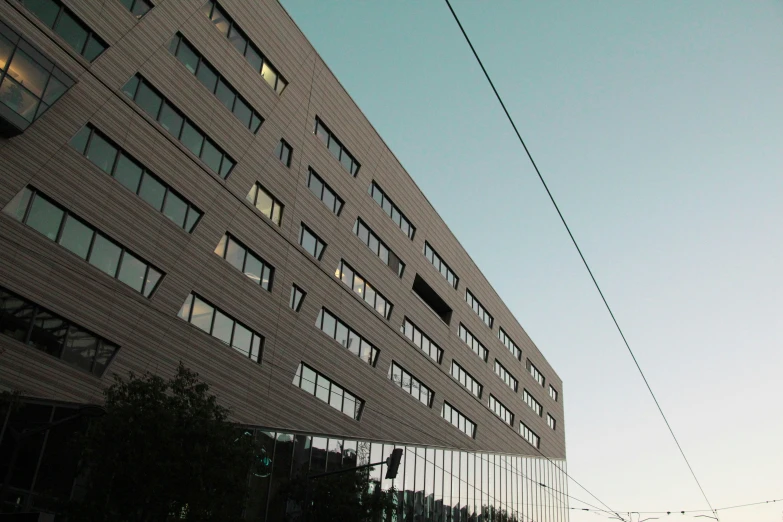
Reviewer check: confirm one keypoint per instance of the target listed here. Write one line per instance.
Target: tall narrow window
(283, 152)
(553, 393)
(311, 243)
(297, 298)
(266, 203)
(551, 421)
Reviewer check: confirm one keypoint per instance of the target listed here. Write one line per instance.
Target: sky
(659, 128)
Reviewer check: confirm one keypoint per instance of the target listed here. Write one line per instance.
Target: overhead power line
(579, 250)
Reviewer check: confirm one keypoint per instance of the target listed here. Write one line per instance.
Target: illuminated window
(361, 286)
(266, 203)
(246, 261)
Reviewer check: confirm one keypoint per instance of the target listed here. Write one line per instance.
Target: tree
(164, 450)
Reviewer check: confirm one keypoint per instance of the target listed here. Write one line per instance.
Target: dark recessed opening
(431, 299)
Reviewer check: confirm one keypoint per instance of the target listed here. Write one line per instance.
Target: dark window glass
(225, 94)
(72, 31)
(80, 348)
(334, 147)
(235, 254)
(207, 76)
(79, 140)
(45, 217)
(18, 99)
(28, 73)
(102, 153)
(131, 87)
(225, 167)
(152, 191)
(242, 112)
(15, 316)
(237, 39)
(255, 123)
(94, 48)
(46, 10)
(153, 277)
(192, 139)
(148, 100)
(187, 55)
(128, 172)
(105, 254)
(253, 58)
(76, 236)
(211, 155)
(193, 217)
(171, 120)
(175, 209)
(48, 332)
(132, 271)
(17, 207)
(254, 268)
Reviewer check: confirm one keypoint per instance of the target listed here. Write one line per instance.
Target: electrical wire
(579, 250)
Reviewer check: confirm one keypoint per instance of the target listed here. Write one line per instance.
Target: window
(207, 74)
(438, 263)
(138, 8)
(331, 393)
(458, 420)
(551, 422)
(67, 26)
(361, 286)
(391, 210)
(410, 384)
(29, 82)
(529, 436)
(226, 25)
(534, 404)
(510, 344)
(430, 297)
(41, 213)
(509, 379)
(297, 298)
(337, 149)
(135, 177)
(378, 247)
(311, 243)
(170, 118)
(204, 316)
(324, 192)
(36, 326)
(535, 373)
(246, 261)
(501, 411)
(553, 393)
(266, 203)
(478, 308)
(472, 342)
(347, 336)
(283, 152)
(466, 379)
(420, 339)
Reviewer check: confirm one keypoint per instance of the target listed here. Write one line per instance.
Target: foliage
(165, 450)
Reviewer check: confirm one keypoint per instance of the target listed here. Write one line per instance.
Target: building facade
(186, 180)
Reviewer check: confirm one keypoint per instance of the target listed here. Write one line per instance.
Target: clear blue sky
(659, 127)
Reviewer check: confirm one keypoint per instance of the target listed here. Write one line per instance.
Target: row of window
(208, 75)
(478, 308)
(510, 344)
(442, 267)
(474, 344)
(337, 149)
(466, 379)
(537, 375)
(67, 26)
(533, 403)
(504, 374)
(123, 167)
(182, 128)
(378, 247)
(221, 326)
(246, 261)
(458, 420)
(420, 339)
(266, 203)
(242, 43)
(528, 434)
(361, 286)
(331, 393)
(500, 410)
(553, 393)
(391, 210)
(284, 152)
(324, 192)
(40, 213)
(347, 336)
(312, 244)
(35, 326)
(410, 384)
(138, 8)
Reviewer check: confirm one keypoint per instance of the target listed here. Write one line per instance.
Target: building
(188, 181)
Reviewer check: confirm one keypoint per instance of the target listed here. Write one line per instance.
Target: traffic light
(393, 463)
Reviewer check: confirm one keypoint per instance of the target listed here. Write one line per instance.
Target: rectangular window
(41, 213)
(509, 343)
(509, 379)
(420, 339)
(134, 176)
(328, 391)
(361, 286)
(479, 308)
(551, 421)
(228, 28)
(347, 336)
(311, 243)
(553, 393)
(534, 404)
(68, 26)
(324, 192)
(284, 152)
(440, 266)
(297, 298)
(378, 247)
(458, 420)
(34, 325)
(410, 384)
(266, 203)
(529, 436)
(246, 261)
(337, 149)
(183, 129)
(501, 411)
(391, 210)
(138, 8)
(222, 326)
(465, 379)
(538, 376)
(207, 74)
(473, 343)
